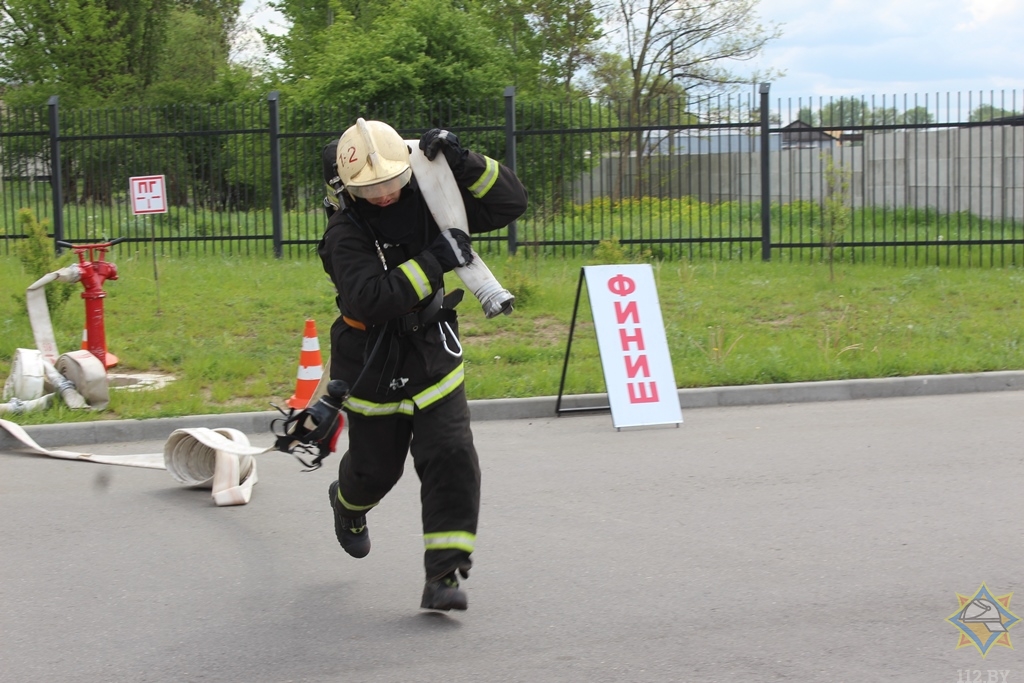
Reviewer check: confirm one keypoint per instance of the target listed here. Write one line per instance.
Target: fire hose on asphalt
(219, 459)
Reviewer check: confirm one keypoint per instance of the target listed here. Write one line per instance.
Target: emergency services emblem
(984, 620)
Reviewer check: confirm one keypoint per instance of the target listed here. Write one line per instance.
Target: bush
(36, 253)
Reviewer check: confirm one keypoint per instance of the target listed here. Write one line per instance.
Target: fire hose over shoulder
(371, 159)
(441, 192)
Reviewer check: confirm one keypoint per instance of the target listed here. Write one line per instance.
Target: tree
(835, 214)
(551, 41)
(86, 51)
(223, 14)
(569, 31)
(917, 115)
(845, 112)
(194, 65)
(93, 53)
(415, 51)
(884, 116)
(611, 77)
(680, 48)
(685, 43)
(192, 60)
(990, 112)
(808, 116)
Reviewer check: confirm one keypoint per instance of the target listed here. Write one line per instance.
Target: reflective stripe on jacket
(421, 400)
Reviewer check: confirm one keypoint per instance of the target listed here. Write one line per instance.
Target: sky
(833, 48)
(875, 48)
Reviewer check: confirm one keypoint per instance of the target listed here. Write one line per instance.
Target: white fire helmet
(373, 160)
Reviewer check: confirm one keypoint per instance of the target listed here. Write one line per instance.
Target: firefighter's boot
(351, 532)
(444, 594)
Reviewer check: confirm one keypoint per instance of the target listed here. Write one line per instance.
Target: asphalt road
(804, 542)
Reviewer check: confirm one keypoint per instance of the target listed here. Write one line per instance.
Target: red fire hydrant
(95, 271)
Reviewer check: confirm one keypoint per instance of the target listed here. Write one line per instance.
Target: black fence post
(275, 173)
(510, 153)
(56, 183)
(766, 180)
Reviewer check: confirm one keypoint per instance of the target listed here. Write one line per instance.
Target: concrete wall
(978, 170)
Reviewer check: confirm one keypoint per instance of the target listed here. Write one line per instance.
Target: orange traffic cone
(310, 368)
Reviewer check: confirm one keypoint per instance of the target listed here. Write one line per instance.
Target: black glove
(435, 140)
(316, 427)
(452, 249)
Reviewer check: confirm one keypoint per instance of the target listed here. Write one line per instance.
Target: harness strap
(412, 322)
(352, 322)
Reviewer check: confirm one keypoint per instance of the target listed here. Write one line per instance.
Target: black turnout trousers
(446, 462)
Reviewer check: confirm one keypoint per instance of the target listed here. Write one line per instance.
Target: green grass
(230, 329)
(736, 224)
(796, 223)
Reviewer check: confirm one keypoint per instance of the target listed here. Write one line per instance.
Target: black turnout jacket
(383, 275)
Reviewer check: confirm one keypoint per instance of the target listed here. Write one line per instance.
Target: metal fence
(910, 179)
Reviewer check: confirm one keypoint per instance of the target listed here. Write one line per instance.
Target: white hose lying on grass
(39, 312)
(79, 377)
(88, 379)
(70, 375)
(220, 459)
(27, 380)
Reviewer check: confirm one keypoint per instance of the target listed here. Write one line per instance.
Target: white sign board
(631, 340)
(147, 193)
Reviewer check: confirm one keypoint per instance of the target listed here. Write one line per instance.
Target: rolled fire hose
(220, 459)
(79, 378)
(441, 193)
(87, 375)
(66, 386)
(27, 380)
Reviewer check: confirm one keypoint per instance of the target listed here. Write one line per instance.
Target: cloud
(984, 11)
(247, 46)
(844, 47)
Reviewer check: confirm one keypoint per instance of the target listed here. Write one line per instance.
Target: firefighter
(395, 342)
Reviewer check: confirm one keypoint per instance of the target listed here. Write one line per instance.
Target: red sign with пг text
(147, 194)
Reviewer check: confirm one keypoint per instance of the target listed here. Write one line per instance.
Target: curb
(112, 431)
